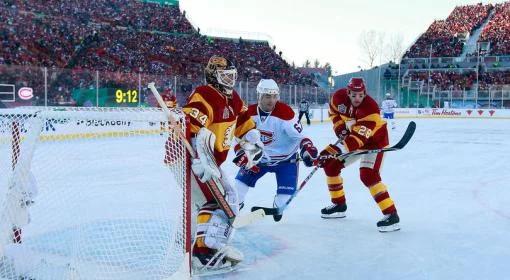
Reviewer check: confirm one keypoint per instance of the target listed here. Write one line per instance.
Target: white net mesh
(91, 194)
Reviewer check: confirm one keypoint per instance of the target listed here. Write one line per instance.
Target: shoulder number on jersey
(196, 114)
(298, 127)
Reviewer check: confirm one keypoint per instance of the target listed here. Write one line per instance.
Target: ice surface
(450, 186)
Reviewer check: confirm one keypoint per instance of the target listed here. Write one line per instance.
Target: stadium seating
(128, 37)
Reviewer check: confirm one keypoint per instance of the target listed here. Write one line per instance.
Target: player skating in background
(283, 140)
(217, 114)
(388, 106)
(357, 122)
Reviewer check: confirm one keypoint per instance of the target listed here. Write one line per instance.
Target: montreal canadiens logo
(26, 93)
(266, 137)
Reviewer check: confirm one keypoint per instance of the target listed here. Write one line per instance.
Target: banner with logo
(452, 113)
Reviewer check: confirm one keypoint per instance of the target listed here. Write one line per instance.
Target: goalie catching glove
(250, 151)
(204, 166)
(308, 152)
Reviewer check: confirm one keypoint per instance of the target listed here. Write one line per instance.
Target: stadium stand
(128, 37)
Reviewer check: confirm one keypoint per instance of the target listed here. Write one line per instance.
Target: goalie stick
(408, 134)
(215, 185)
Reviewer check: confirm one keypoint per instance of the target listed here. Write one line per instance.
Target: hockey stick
(408, 134)
(278, 211)
(215, 185)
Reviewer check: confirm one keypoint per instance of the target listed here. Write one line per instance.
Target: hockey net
(93, 194)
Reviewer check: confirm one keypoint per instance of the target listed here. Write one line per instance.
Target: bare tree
(394, 48)
(371, 43)
(328, 68)
(307, 64)
(316, 63)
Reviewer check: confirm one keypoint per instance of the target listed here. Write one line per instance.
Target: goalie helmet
(221, 74)
(267, 86)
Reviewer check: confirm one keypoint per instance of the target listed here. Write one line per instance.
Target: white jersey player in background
(388, 106)
(283, 139)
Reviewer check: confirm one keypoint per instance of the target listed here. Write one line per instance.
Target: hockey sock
(336, 189)
(381, 196)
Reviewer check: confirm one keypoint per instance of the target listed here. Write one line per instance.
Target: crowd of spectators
(445, 38)
(445, 80)
(122, 39)
(497, 30)
(131, 14)
(461, 80)
(489, 79)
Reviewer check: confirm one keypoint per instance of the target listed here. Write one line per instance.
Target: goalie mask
(221, 74)
(268, 93)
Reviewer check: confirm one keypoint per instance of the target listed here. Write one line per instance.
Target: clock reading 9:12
(130, 96)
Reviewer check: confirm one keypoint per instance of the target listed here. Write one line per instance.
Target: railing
(40, 86)
(418, 94)
(446, 60)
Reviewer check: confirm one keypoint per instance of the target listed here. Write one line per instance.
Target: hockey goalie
(217, 115)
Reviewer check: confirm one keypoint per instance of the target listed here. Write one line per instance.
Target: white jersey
(280, 132)
(389, 105)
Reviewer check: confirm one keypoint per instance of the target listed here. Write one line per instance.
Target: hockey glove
(342, 132)
(308, 152)
(327, 154)
(241, 159)
(249, 151)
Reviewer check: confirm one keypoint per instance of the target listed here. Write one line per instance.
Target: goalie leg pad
(205, 165)
(231, 195)
(215, 230)
(213, 234)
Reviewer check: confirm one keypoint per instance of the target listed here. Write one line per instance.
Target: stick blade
(248, 219)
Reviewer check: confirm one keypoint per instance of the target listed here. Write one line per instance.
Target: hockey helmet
(357, 91)
(221, 74)
(356, 84)
(267, 86)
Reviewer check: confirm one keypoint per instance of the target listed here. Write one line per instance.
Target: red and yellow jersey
(367, 128)
(224, 116)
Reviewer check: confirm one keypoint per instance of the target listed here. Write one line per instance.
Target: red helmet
(356, 84)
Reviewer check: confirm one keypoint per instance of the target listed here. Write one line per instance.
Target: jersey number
(195, 113)
(364, 131)
(298, 127)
